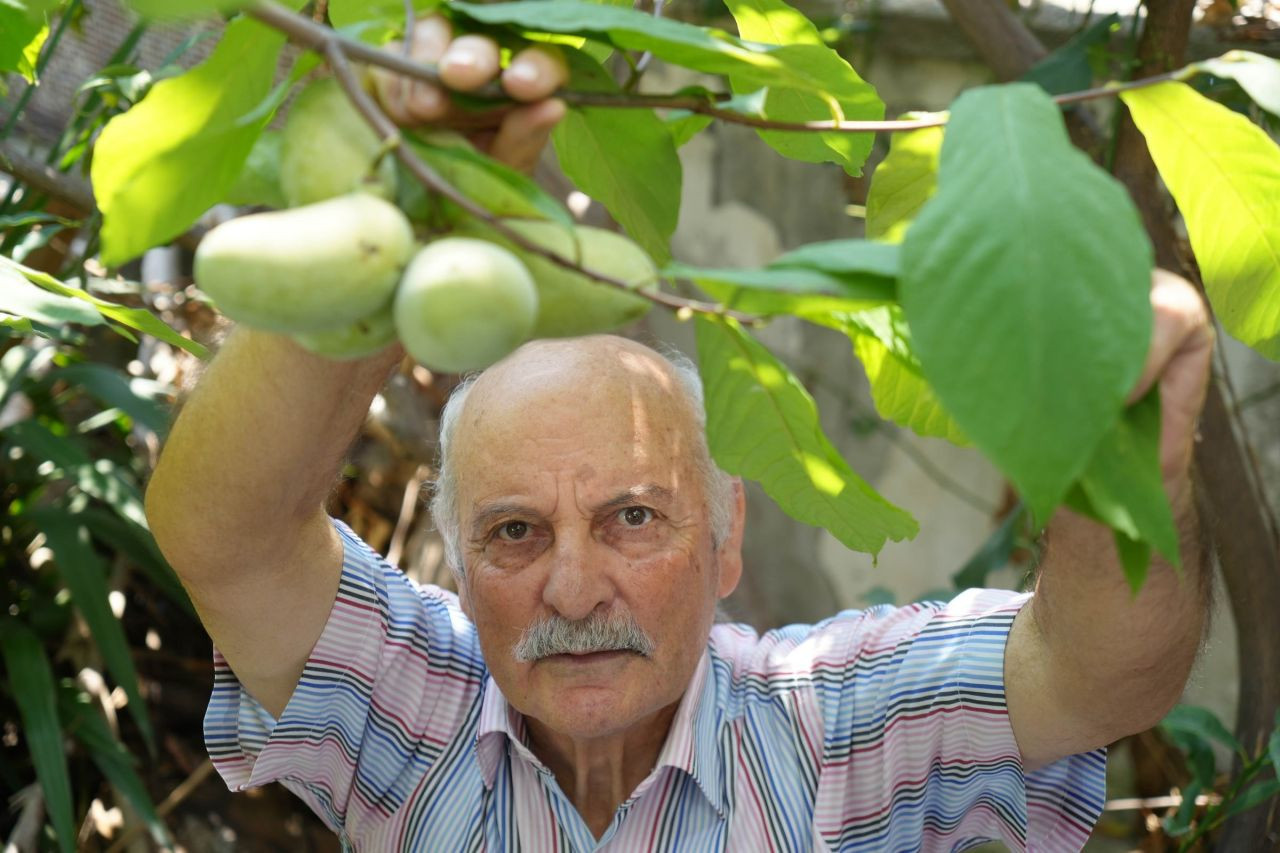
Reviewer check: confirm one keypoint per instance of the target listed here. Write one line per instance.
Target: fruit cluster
(342, 271)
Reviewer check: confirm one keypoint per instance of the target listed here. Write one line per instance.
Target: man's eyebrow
(644, 492)
(490, 514)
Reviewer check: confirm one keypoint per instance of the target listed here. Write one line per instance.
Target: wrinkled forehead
(593, 401)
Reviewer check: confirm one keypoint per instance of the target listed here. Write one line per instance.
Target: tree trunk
(1239, 519)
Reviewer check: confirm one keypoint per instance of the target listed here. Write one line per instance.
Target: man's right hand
(514, 135)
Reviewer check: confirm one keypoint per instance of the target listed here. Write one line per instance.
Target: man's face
(578, 496)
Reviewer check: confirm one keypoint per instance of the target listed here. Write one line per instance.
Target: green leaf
(1252, 797)
(117, 764)
(903, 182)
(1199, 723)
(31, 680)
(993, 554)
(1124, 488)
(882, 342)
(1025, 283)
(846, 96)
(498, 188)
(134, 318)
(808, 293)
(1258, 75)
(21, 37)
(20, 297)
(259, 180)
(762, 424)
(705, 49)
(1068, 69)
(858, 260)
(685, 125)
(625, 159)
(85, 574)
(1273, 746)
(1224, 173)
(346, 13)
(138, 398)
(171, 9)
(159, 166)
(1180, 822)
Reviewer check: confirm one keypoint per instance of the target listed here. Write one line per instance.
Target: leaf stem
(307, 33)
(334, 54)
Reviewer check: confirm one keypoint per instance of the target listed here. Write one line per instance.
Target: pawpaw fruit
(569, 303)
(463, 304)
(327, 149)
(259, 179)
(321, 266)
(362, 338)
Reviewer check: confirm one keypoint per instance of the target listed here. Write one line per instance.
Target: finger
(431, 39)
(469, 63)
(524, 133)
(535, 73)
(1180, 322)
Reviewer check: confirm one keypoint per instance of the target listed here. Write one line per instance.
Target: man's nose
(578, 580)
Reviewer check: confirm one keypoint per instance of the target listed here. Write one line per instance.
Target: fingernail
(460, 57)
(522, 72)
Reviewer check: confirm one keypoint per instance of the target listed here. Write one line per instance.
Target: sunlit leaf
(159, 166)
(1025, 284)
(138, 398)
(19, 296)
(32, 685)
(1224, 173)
(762, 424)
(905, 179)
(21, 37)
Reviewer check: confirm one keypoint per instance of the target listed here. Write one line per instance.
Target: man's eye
(635, 516)
(513, 531)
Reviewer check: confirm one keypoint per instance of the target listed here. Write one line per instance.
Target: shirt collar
(692, 745)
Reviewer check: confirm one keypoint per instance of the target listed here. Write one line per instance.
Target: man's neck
(598, 774)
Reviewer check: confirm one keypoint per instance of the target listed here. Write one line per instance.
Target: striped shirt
(875, 730)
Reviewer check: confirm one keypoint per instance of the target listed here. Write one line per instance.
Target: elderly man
(575, 694)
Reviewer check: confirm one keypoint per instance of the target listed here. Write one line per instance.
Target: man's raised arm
(236, 503)
(1087, 661)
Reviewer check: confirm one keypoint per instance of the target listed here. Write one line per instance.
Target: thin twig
(318, 38)
(408, 505)
(642, 64)
(432, 180)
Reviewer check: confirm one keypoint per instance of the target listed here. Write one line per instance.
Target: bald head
(546, 391)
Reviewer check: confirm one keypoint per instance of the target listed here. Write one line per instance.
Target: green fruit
(363, 337)
(571, 304)
(463, 304)
(310, 268)
(328, 149)
(259, 180)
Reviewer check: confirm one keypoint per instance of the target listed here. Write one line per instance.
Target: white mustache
(556, 635)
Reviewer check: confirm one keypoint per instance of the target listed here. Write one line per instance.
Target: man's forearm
(255, 450)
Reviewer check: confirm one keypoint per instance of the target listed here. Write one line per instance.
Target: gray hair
(717, 486)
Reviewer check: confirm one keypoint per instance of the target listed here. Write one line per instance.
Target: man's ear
(729, 555)
(464, 599)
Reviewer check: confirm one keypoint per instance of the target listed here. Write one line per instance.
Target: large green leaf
(847, 95)
(753, 65)
(85, 574)
(1025, 284)
(882, 343)
(905, 179)
(168, 9)
(762, 424)
(133, 318)
(625, 159)
(31, 682)
(1258, 75)
(159, 166)
(1224, 173)
(1124, 488)
(85, 722)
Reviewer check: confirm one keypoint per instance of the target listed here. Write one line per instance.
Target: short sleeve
(389, 684)
(918, 750)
